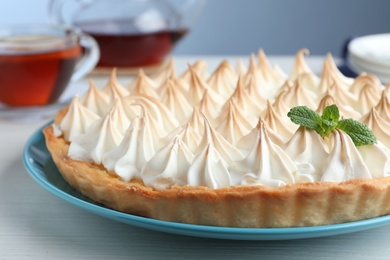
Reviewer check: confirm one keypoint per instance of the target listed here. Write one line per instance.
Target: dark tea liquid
(122, 45)
(35, 78)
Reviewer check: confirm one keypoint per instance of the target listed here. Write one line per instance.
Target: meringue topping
(137, 147)
(128, 151)
(77, 119)
(279, 105)
(330, 70)
(344, 162)
(378, 126)
(377, 159)
(211, 104)
(180, 86)
(244, 100)
(158, 111)
(228, 152)
(114, 89)
(169, 166)
(300, 65)
(230, 128)
(285, 129)
(223, 79)
(363, 80)
(241, 68)
(345, 110)
(200, 67)
(297, 95)
(246, 142)
(196, 120)
(167, 72)
(256, 85)
(307, 150)
(383, 106)
(190, 137)
(209, 169)
(175, 101)
(119, 116)
(274, 76)
(246, 120)
(369, 97)
(197, 88)
(101, 137)
(143, 86)
(265, 164)
(96, 100)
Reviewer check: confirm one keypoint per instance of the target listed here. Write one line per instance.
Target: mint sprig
(329, 120)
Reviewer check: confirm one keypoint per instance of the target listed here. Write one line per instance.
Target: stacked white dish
(371, 54)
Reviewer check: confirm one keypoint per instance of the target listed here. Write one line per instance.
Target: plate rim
(236, 233)
(359, 68)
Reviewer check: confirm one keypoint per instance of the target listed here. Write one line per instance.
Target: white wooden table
(34, 224)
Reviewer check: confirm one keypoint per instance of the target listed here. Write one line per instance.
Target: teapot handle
(56, 10)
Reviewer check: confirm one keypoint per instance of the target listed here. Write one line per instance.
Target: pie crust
(300, 204)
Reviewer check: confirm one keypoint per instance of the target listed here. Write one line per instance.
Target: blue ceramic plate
(39, 164)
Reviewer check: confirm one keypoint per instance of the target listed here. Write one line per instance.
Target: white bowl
(372, 48)
(371, 54)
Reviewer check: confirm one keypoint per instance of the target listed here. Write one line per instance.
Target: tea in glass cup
(37, 62)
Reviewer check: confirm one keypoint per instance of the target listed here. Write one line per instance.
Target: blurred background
(234, 27)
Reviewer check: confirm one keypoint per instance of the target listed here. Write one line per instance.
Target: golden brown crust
(301, 204)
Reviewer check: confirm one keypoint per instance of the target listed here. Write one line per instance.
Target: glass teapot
(130, 33)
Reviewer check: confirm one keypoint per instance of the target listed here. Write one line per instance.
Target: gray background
(280, 27)
(284, 26)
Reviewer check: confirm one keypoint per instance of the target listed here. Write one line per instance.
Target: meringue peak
(277, 123)
(114, 88)
(300, 65)
(76, 120)
(209, 169)
(197, 87)
(95, 99)
(272, 75)
(169, 166)
(223, 79)
(196, 120)
(143, 85)
(265, 164)
(344, 162)
(211, 104)
(383, 106)
(244, 100)
(167, 72)
(175, 101)
(210, 135)
(331, 68)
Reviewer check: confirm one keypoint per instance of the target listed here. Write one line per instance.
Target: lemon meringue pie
(219, 149)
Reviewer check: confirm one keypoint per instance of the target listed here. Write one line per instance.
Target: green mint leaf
(330, 120)
(331, 113)
(304, 116)
(330, 116)
(328, 127)
(330, 124)
(359, 132)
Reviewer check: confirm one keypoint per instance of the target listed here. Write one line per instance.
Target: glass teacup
(37, 62)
